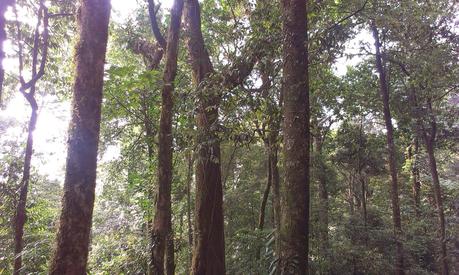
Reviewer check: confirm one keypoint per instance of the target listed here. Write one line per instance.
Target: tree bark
(456, 239)
(430, 148)
(162, 235)
(294, 195)
(264, 199)
(209, 244)
(273, 149)
(189, 179)
(80, 180)
(21, 215)
(37, 70)
(384, 91)
(323, 198)
(415, 183)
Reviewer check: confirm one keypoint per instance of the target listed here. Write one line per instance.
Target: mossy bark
(73, 234)
(209, 242)
(294, 192)
(162, 250)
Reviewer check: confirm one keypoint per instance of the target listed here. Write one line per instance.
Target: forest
(213, 137)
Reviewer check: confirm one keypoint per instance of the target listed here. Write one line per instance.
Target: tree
(394, 193)
(162, 235)
(294, 194)
(209, 243)
(80, 178)
(38, 70)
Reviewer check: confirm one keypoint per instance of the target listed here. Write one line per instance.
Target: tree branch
(154, 24)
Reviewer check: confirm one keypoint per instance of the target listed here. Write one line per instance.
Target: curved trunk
(264, 199)
(80, 179)
(162, 246)
(294, 195)
(384, 91)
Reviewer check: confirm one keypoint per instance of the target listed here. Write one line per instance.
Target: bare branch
(154, 24)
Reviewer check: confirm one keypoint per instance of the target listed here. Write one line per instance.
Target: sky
(50, 135)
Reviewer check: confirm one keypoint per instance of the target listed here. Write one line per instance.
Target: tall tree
(209, 243)
(294, 195)
(80, 179)
(162, 235)
(391, 151)
(28, 90)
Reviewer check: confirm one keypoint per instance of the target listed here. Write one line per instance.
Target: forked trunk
(162, 246)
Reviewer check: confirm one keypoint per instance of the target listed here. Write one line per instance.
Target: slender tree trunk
(416, 184)
(294, 218)
(80, 179)
(21, 215)
(264, 199)
(273, 151)
(209, 244)
(189, 179)
(323, 198)
(162, 247)
(456, 239)
(350, 193)
(37, 70)
(384, 91)
(430, 147)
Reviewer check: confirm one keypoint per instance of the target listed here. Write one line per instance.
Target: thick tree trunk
(430, 148)
(21, 215)
(80, 180)
(209, 244)
(294, 218)
(162, 235)
(384, 91)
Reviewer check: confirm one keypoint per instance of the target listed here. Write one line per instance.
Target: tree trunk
(189, 179)
(21, 215)
(416, 184)
(162, 235)
(80, 179)
(456, 239)
(264, 199)
(430, 148)
(209, 244)
(323, 198)
(294, 218)
(384, 91)
(273, 151)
